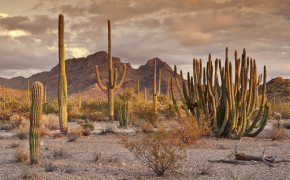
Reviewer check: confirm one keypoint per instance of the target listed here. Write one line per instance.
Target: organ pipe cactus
(35, 122)
(112, 84)
(156, 93)
(62, 82)
(123, 115)
(231, 107)
(168, 92)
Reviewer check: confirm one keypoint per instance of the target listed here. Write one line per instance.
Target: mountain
(81, 76)
(280, 88)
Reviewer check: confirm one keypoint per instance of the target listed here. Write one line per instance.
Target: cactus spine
(155, 92)
(35, 122)
(62, 83)
(80, 99)
(112, 84)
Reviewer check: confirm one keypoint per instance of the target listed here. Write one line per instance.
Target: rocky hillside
(81, 76)
(280, 88)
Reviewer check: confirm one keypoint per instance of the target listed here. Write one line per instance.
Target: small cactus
(123, 115)
(35, 122)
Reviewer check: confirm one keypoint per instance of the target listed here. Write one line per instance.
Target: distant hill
(280, 88)
(81, 76)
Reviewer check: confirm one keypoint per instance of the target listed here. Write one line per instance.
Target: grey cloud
(39, 24)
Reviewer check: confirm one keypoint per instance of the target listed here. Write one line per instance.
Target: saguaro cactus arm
(122, 77)
(99, 81)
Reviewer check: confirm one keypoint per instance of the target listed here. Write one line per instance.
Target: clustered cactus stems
(123, 115)
(156, 93)
(168, 92)
(35, 122)
(231, 107)
(62, 82)
(112, 84)
(80, 100)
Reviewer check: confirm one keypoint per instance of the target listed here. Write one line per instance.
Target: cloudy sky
(174, 30)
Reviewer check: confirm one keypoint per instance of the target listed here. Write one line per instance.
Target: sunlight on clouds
(3, 15)
(14, 33)
(78, 52)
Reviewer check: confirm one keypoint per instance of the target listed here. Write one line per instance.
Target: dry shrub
(22, 133)
(59, 153)
(286, 124)
(18, 121)
(57, 135)
(80, 121)
(49, 167)
(97, 156)
(189, 131)
(88, 126)
(77, 131)
(50, 121)
(43, 132)
(22, 154)
(145, 127)
(159, 151)
(279, 133)
(32, 176)
(72, 137)
(14, 145)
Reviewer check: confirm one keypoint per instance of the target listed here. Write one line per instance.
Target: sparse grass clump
(49, 167)
(59, 153)
(50, 121)
(97, 156)
(22, 155)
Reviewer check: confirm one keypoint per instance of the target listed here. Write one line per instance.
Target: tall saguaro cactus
(35, 122)
(62, 83)
(4, 100)
(138, 88)
(80, 100)
(112, 84)
(145, 94)
(45, 102)
(156, 93)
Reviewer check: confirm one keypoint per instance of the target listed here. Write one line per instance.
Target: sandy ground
(116, 162)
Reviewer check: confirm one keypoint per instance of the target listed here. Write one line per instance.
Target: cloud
(176, 31)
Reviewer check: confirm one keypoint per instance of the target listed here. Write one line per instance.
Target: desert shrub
(279, 133)
(284, 110)
(52, 107)
(88, 126)
(22, 133)
(18, 121)
(97, 156)
(59, 153)
(72, 137)
(189, 131)
(43, 132)
(286, 124)
(158, 151)
(49, 167)
(145, 126)
(22, 154)
(50, 121)
(14, 145)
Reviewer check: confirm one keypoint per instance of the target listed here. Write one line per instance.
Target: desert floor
(116, 162)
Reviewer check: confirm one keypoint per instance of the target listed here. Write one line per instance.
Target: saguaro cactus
(112, 84)
(138, 88)
(62, 83)
(4, 100)
(80, 99)
(145, 94)
(45, 102)
(155, 92)
(35, 122)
